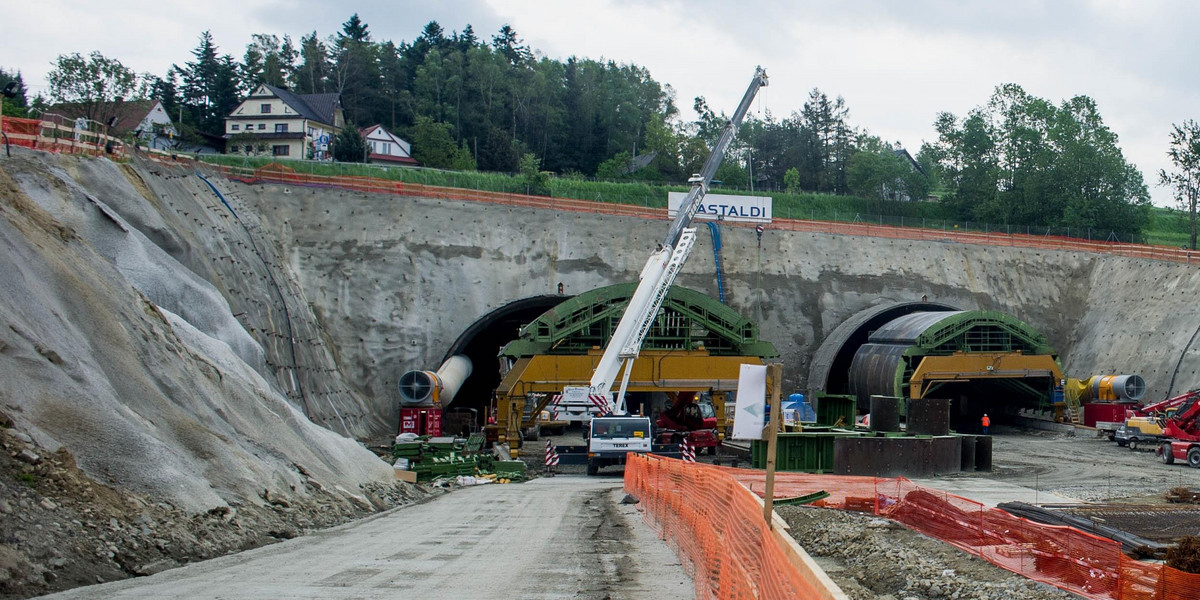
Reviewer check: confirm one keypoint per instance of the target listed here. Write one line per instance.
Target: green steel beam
(686, 320)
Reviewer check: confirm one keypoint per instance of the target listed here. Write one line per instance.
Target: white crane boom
(660, 271)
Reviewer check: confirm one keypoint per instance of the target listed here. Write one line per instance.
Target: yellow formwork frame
(653, 371)
(962, 366)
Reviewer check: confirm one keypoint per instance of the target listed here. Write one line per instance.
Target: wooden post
(774, 383)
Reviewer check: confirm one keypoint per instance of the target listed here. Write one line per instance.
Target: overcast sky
(897, 64)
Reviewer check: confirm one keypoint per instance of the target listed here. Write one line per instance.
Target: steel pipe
(426, 388)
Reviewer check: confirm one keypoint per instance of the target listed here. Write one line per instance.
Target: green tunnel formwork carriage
(688, 320)
(985, 360)
(694, 344)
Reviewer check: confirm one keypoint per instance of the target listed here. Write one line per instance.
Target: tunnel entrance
(1000, 399)
(982, 361)
(482, 341)
(830, 370)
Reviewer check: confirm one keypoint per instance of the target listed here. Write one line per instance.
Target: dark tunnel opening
(482, 341)
(838, 379)
(1000, 399)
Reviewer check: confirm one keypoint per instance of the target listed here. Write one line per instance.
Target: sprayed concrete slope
(123, 342)
(397, 279)
(173, 335)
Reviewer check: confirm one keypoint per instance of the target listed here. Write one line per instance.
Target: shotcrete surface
(395, 280)
(135, 363)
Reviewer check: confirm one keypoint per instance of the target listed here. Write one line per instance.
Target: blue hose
(715, 230)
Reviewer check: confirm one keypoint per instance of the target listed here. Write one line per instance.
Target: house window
(280, 150)
(265, 109)
(281, 127)
(234, 127)
(385, 148)
(262, 126)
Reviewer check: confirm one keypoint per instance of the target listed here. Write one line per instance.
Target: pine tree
(312, 76)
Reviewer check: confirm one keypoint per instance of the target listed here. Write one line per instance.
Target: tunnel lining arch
(829, 371)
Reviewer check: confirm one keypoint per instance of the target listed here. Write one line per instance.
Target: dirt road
(560, 537)
(1083, 466)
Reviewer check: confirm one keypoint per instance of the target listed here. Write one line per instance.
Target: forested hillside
(468, 101)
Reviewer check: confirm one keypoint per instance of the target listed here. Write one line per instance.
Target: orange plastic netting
(682, 504)
(22, 132)
(716, 527)
(384, 186)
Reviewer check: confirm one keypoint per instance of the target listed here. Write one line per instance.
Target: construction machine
(690, 420)
(1143, 426)
(1181, 433)
(656, 279)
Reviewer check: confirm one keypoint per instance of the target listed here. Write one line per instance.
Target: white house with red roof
(386, 147)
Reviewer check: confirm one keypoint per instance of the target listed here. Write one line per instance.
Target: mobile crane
(610, 438)
(1181, 433)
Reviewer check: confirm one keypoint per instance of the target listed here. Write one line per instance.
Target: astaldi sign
(720, 207)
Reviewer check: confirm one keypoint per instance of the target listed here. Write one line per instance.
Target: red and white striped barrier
(687, 451)
(551, 455)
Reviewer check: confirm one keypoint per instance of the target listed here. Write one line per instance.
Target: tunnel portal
(982, 361)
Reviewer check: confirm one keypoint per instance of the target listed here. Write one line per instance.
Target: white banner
(714, 207)
(751, 403)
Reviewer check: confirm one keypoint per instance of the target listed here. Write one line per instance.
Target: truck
(610, 438)
(656, 279)
(689, 420)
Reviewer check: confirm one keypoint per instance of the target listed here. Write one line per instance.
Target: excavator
(612, 437)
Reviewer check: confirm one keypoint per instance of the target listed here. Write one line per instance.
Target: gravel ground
(872, 558)
(60, 530)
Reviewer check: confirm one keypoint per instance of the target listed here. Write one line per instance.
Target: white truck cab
(610, 438)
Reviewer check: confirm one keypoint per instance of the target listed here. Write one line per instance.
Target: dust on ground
(60, 530)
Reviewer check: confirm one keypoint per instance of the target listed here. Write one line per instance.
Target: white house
(386, 147)
(285, 125)
(143, 119)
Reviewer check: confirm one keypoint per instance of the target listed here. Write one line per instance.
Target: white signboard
(751, 403)
(745, 209)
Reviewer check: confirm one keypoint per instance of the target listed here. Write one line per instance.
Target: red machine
(1153, 410)
(425, 420)
(689, 420)
(1182, 432)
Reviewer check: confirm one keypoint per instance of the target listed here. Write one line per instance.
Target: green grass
(1167, 227)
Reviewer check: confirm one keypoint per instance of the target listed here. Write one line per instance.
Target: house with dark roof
(275, 121)
(386, 147)
(896, 190)
(143, 119)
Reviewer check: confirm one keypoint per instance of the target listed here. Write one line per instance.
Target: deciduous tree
(1184, 180)
(95, 83)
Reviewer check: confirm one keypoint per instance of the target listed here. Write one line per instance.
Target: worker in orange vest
(986, 423)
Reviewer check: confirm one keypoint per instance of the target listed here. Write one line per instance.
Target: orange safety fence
(1065, 557)
(278, 174)
(715, 526)
(52, 137)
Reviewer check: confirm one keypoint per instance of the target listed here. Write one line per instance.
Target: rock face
(174, 331)
(145, 336)
(395, 280)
